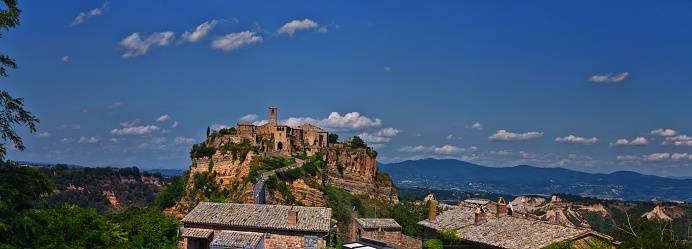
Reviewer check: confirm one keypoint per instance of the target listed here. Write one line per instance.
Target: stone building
(272, 136)
(229, 225)
(381, 231)
(489, 224)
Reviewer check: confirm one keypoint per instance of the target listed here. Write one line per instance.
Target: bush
(229, 131)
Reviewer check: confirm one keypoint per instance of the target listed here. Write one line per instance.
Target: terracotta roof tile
(197, 233)
(236, 239)
(259, 216)
(378, 223)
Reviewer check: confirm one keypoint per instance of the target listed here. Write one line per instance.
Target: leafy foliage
(171, 193)
(357, 142)
(13, 113)
(229, 131)
(201, 151)
(332, 138)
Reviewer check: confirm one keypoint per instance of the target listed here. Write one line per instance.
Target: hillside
(524, 179)
(104, 189)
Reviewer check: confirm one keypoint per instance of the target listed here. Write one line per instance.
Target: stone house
(381, 231)
(229, 225)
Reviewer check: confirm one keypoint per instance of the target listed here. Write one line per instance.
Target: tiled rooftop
(451, 219)
(197, 233)
(259, 216)
(377, 223)
(235, 239)
(515, 232)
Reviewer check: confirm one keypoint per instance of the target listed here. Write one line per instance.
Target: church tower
(272, 115)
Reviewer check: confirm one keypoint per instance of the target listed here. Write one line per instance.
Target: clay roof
(197, 233)
(451, 219)
(378, 223)
(245, 123)
(235, 239)
(515, 232)
(259, 216)
(311, 127)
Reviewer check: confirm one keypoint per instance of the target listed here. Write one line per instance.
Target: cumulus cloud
(70, 126)
(452, 137)
(657, 157)
(183, 140)
(126, 124)
(175, 124)
(200, 32)
(89, 140)
(291, 27)
(43, 135)
(571, 139)
(609, 78)
(447, 149)
(681, 156)
(235, 41)
(249, 117)
(136, 45)
(66, 140)
(662, 132)
(88, 15)
(115, 105)
(349, 122)
(65, 58)
(475, 127)
(503, 135)
(679, 140)
(163, 118)
(137, 130)
(381, 136)
(218, 127)
(627, 157)
(637, 141)
(387, 69)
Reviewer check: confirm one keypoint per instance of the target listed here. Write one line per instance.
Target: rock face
(359, 174)
(657, 214)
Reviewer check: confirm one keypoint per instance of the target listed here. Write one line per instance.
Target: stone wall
(276, 241)
(394, 239)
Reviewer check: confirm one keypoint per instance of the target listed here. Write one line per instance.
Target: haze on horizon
(590, 86)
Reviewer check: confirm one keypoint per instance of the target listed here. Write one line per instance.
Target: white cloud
(235, 41)
(291, 27)
(662, 132)
(137, 130)
(88, 15)
(452, 137)
(218, 127)
(175, 124)
(43, 135)
(126, 124)
(200, 32)
(115, 105)
(679, 140)
(183, 140)
(627, 158)
(657, 157)
(680, 156)
(249, 117)
(115, 140)
(90, 140)
(66, 140)
(381, 136)
(158, 140)
(70, 126)
(349, 122)
(571, 139)
(163, 118)
(503, 135)
(137, 46)
(637, 141)
(447, 149)
(65, 58)
(260, 122)
(475, 127)
(387, 69)
(609, 78)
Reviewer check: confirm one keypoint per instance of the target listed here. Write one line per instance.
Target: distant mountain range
(525, 179)
(164, 172)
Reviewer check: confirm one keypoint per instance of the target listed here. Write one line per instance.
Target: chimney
(432, 213)
(293, 216)
(501, 207)
(480, 216)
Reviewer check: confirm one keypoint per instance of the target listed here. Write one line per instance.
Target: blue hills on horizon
(525, 179)
(164, 172)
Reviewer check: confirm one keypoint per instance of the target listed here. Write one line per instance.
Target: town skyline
(588, 86)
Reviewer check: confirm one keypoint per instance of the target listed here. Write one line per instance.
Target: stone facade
(383, 230)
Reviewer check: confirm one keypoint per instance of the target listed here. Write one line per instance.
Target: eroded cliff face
(355, 170)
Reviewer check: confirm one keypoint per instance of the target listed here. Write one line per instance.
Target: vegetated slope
(104, 189)
(524, 179)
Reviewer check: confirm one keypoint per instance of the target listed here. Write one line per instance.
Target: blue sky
(587, 85)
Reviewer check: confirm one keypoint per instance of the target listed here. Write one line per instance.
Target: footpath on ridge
(259, 191)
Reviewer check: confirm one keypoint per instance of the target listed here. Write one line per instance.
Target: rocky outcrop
(657, 214)
(355, 170)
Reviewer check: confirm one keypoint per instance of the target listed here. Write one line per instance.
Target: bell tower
(272, 115)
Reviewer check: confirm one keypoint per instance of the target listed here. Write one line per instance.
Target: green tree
(69, 226)
(208, 131)
(12, 111)
(332, 138)
(357, 142)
